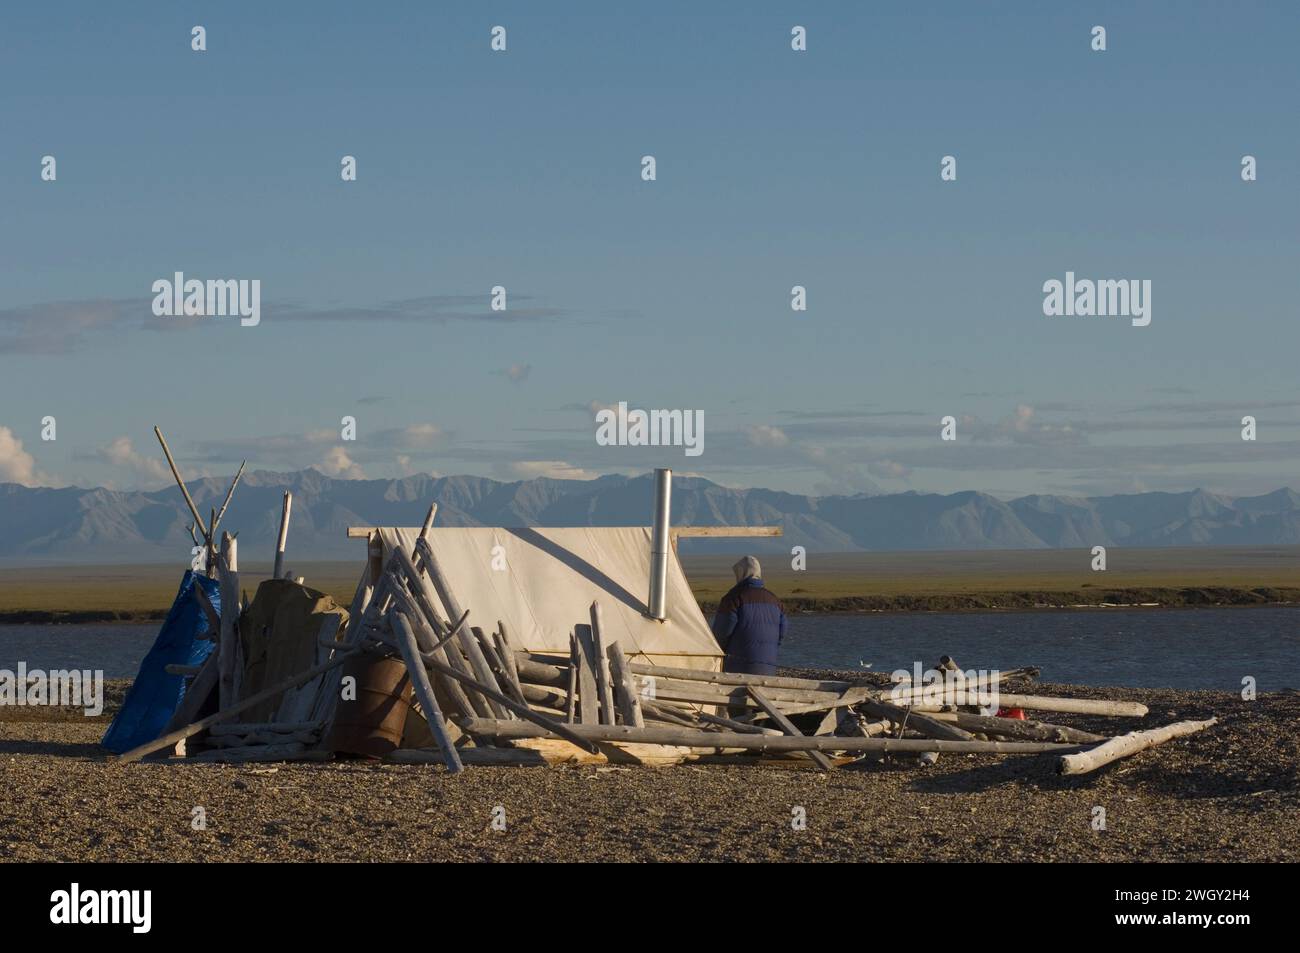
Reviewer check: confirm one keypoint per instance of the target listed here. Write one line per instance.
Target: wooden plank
(171, 737)
(556, 676)
(478, 664)
(361, 532)
(604, 686)
(458, 654)
(700, 693)
(629, 699)
(433, 645)
(216, 521)
(830, 721)
(424, 691)
(523, 711)
(275, 752)
(588, 694)
(691, 737)
(428, 522)
(720, 532)
(540, 697)
(571, 709)
(1016, 729)
(285, 509)
(228, 641)
(375, 559)
(917, 721)
(912, 698)
(611, 752)
(189, 501)
(262, 738)
(851, 697)
(785, 725)
(198, 692)
(541, 752)
(739, 678)
(327, 690)
(252, 728)
(1121, 747)
(669, 713)
(507, 657)
(497, 664)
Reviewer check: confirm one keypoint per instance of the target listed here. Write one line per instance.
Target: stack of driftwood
(487, 701)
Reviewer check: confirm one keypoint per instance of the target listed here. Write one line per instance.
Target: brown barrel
(372, 724)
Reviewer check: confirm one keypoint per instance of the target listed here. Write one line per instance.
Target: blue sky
(775, 168)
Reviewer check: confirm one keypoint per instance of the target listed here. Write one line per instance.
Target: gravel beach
(1227, 794)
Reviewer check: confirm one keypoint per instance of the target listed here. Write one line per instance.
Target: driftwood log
(1080, 706)
(823, 763)
(229, 661)
(424, 691)
(285, 510)
(1103, 754)
(433, 569)
(604, 682)
(1016, 729)
(625, 689)
(279, 752)
(541, 725)
(688, 737)
(471, 662)
(905, 717)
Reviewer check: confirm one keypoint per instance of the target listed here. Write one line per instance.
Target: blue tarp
(155, 695)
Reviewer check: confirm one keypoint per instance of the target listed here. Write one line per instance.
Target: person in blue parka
(750, 623)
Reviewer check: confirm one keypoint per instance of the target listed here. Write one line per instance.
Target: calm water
(1162, 648)
(1173, 648)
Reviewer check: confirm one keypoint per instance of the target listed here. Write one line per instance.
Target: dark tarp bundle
(279, 634)
(155, 695)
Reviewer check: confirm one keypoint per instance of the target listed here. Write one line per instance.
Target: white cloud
(121, 453)
(889, 469)
(414, 437)
(763, 435)
(337, 463)
(554, 469)
(16, 464)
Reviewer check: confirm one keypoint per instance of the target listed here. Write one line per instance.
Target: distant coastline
(1010, 600)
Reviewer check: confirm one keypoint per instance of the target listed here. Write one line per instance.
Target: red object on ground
(1017, 713)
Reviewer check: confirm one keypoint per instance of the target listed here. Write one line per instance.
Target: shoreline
(1127, 599)
(1226, 794)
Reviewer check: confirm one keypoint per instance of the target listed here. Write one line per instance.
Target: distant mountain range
(70, 525)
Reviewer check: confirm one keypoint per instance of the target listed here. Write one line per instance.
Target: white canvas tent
(552, 576)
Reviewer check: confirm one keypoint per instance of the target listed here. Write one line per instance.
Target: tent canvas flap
(541, 582)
